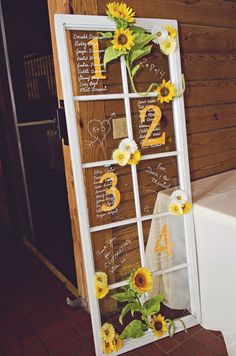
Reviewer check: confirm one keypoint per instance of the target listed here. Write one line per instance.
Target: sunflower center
(122, 39)
(158, 34)
(158, 325)
(139, 281)
(107, 332)
(164, 91)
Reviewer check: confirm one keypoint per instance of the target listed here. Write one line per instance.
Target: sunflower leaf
(135, 69)
(139, 53)
(126, 296)
(141, 40)
(137, 29)
(135, 308)
(110, 54)
(133, 330)
(124, 311)
(152, 305)
(106, 34)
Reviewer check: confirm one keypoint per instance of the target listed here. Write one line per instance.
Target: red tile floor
(35, 320)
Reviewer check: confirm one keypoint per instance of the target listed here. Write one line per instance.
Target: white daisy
(179, 197)
(129, 145)
(160, 34)
(168, 46)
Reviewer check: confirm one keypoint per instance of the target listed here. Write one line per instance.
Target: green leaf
(152, 305)
(126, 296)
(106, 34)
(135, 308)
(171, 328)
(124, 311)
(133, 330)
(135, 69)
(126, 287)
(137, 29)
(141, 40)
(139, 53)
(111, 54)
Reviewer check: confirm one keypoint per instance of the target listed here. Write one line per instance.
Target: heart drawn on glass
(99, 129)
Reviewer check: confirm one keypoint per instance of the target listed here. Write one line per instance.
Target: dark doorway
(32, 72)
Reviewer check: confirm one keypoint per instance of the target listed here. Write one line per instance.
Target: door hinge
(60, 127)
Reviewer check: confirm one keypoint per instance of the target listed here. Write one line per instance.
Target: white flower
(160, 34)
(128, 145)
(179, 197)
(168, 46)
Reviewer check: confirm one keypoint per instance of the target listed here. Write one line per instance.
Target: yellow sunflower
(107, 347)
(123, 40)
(175, 209)
(101, 278)
(187, 207)
(117, 343)
(165, 92)
(101, 291)
(171, 30)
(168, 46)
(121, 157)
(107, 332)
(135, 157)
(142, 280)
(159, 325)
(120, 11)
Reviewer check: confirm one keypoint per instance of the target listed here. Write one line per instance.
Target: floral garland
(135, 42)
(139, 282)
(179, 204)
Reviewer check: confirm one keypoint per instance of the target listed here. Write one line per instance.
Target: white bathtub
(215, 225)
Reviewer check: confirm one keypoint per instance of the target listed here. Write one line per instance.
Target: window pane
(87, 71)
(109, 193)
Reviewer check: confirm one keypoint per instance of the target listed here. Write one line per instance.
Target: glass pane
(116, 251)
(109, 194)
(87, 71)
(152, 126)
(153, 69)
(155, 178)
(102, 125)
(164, 242)
(175, 287)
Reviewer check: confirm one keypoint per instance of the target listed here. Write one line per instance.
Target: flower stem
(152, 85)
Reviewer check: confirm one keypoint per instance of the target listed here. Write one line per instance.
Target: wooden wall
(208, 50)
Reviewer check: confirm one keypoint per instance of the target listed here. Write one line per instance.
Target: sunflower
(135, 157)
(123, 40)
(101, 278)
(121, 157)
(171, 31)
(117, 343)
(187, 207)
(159, 325)
(160, 34)
(179, 197)
(107, 332)
(141, 280)
(165, 92)
(116, 10)
(107, 347)
(127, 144)
(101, 291)
(175, 209)
(168, 46)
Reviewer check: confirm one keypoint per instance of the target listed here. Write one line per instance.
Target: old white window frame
(101, 23)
